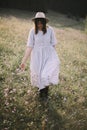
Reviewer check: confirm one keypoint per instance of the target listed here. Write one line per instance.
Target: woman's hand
(26, 56)
(22, 67)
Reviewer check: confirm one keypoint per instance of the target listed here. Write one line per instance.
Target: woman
(44, 63)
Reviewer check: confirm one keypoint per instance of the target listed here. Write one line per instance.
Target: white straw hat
(40, 15)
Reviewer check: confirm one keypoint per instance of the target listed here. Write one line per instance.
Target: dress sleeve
(53, 37)
(30, 41)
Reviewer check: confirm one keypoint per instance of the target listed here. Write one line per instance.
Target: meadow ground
(20, 107)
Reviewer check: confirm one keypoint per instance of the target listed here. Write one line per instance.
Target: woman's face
(39, 25)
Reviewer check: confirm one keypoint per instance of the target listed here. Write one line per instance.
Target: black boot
(44, 92)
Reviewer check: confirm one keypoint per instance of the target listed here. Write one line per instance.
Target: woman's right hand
(22, 67)
(27, 54)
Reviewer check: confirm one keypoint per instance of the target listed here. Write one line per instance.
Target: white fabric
(44, 63)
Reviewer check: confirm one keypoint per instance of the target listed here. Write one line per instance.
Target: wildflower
(28, 91)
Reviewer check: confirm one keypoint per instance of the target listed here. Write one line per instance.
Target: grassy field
(20, 107)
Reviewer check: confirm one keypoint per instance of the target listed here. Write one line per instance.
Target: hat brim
(47, 20)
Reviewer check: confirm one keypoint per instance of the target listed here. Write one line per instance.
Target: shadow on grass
(52, 119)
(22, 14)
(26, 111)
(57, 20)
(36, 115)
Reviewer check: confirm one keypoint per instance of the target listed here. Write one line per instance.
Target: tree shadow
(18, 13)
(62, 21)
(57, 20)
(36, 115)
(26, 111)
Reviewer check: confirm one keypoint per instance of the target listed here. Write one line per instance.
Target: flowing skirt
(44, 66)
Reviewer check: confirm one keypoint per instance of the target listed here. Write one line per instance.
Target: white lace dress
(44, 62)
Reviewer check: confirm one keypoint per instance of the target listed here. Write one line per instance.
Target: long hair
(43, 21)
